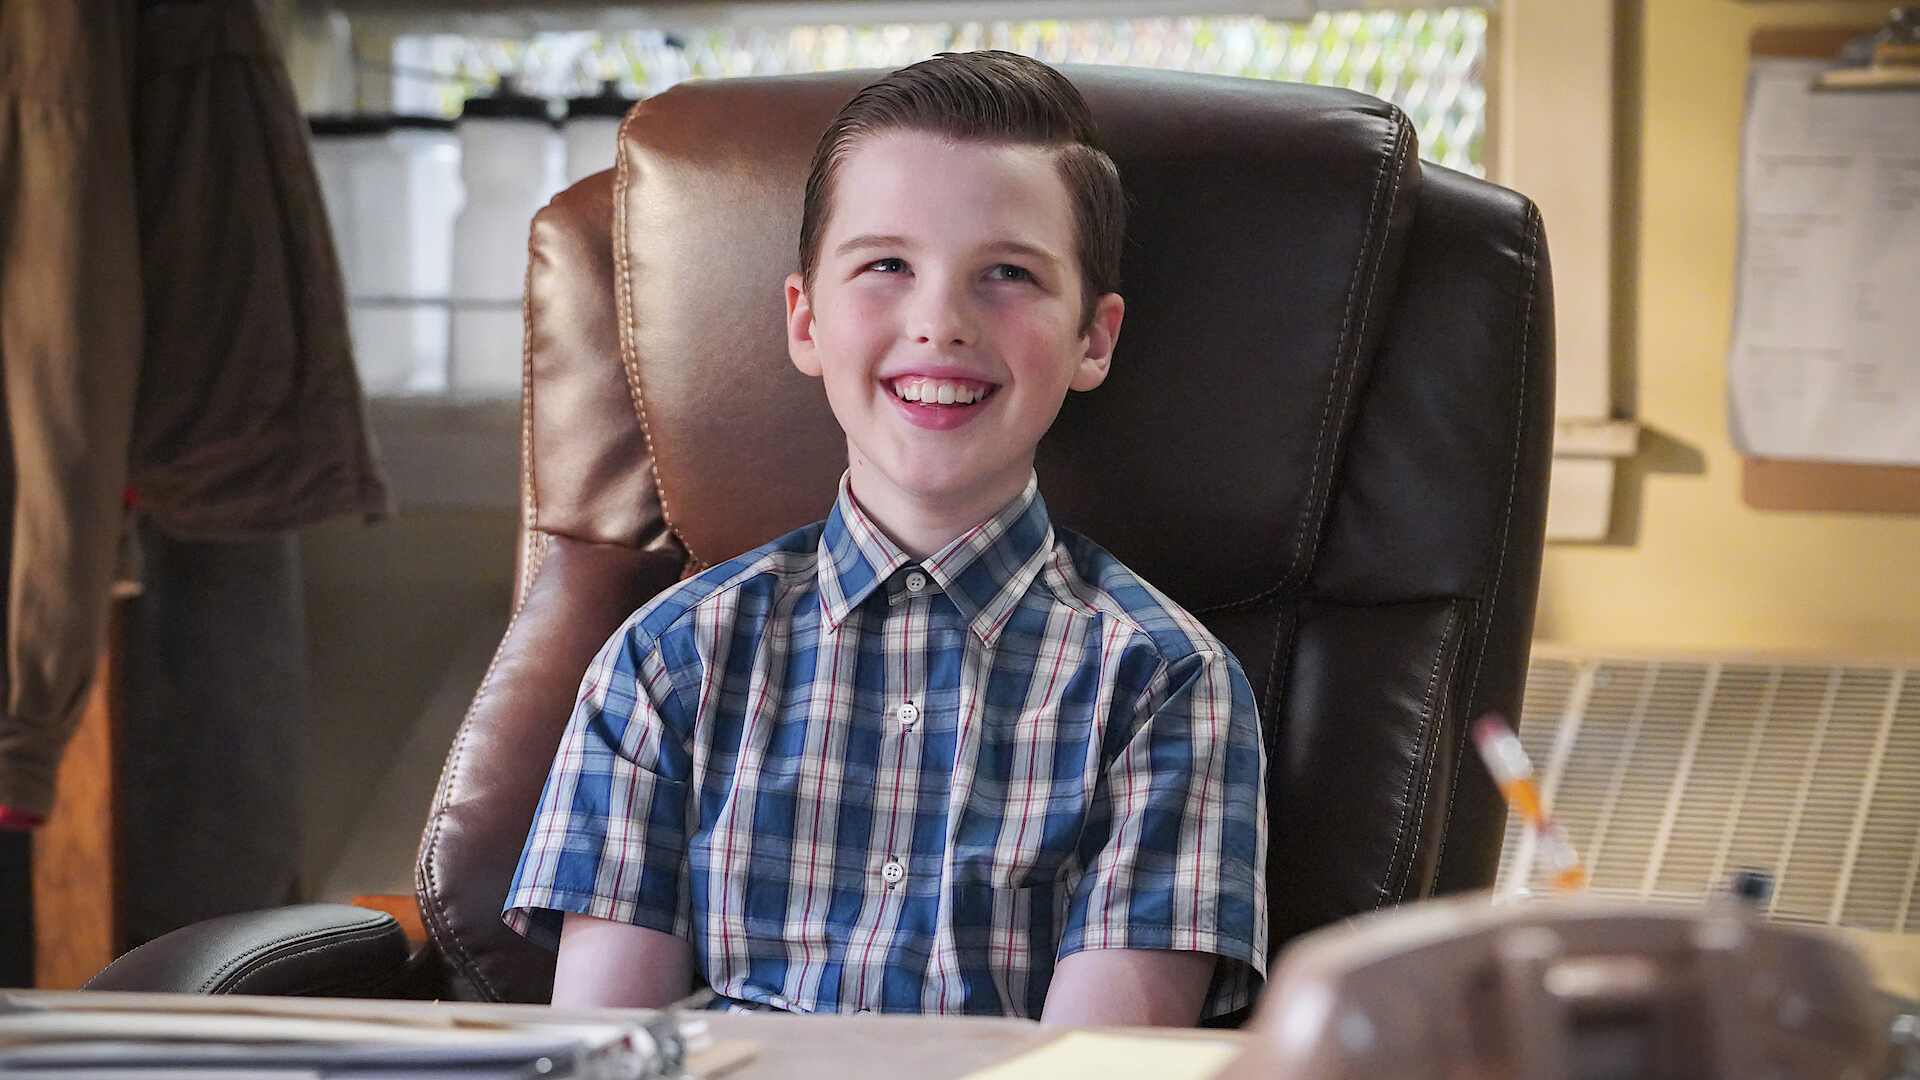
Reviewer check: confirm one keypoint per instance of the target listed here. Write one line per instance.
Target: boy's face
(945, 318)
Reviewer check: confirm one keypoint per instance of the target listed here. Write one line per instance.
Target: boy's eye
(889, 266)
(1010, 272)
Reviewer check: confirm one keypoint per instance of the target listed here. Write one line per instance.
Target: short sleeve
(610, 837)
(1175, 854)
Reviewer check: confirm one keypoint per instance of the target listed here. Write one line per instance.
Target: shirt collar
(984, 572)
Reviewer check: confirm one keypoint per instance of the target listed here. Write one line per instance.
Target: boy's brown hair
(992, 97)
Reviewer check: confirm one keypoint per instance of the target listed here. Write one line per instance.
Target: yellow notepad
(1087, 1055)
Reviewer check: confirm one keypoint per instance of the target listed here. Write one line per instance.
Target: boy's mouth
(940, 393)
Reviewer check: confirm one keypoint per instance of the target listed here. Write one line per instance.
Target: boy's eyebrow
(1017, 248)
(873, 240)
(868, 240)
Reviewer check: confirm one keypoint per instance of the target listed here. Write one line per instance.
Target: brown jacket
(171, 319)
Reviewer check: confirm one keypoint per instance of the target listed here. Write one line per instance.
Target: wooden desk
(788, 1047)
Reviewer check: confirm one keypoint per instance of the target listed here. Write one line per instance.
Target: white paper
(97, 1036)
(1825, 361)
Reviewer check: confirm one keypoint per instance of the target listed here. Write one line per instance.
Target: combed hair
(991, 97)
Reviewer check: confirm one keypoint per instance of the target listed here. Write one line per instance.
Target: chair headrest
(1267, 225)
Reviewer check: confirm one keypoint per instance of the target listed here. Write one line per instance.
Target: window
(432, 230)
(1429, 62)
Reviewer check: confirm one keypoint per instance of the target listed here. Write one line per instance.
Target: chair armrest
(308, 950)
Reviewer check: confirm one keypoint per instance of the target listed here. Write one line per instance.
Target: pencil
(1512, 771)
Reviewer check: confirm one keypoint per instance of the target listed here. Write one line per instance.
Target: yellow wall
(1704, 571)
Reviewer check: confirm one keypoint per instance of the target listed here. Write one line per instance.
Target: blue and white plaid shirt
(857, 782)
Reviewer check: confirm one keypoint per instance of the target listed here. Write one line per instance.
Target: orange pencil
(1512, 771)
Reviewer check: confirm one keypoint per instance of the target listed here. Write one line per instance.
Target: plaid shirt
(856, 782)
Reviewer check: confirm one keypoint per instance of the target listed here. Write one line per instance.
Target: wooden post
(76, 875)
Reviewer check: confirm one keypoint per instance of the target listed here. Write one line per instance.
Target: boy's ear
(801, 348)
(1102, 334)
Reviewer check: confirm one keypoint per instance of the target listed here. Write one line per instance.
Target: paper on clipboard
(1825, 359)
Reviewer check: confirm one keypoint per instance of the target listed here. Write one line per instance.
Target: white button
(916, 582)
(893, 872)
(863, 1012)
(908, 713)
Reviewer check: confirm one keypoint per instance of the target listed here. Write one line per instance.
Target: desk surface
(858, 1047)
(788, 1047)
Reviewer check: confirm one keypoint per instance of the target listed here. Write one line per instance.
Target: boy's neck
(920, 525)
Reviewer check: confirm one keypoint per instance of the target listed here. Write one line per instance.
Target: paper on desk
(1087, 1055)
(1825, 359)
(54, 1037)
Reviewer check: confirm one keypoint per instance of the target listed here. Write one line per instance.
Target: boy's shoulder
(1116, 591)
(771, 568)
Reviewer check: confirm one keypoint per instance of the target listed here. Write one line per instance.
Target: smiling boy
(931, 754)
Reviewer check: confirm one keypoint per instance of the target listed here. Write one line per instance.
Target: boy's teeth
(936, 392)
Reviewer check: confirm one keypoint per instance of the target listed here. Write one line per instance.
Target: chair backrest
(1326, 433)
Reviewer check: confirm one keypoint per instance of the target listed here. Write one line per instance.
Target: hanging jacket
(171, 319)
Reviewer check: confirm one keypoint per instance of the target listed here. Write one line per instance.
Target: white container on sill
(510, 164)
(391, 186)
(592, 131)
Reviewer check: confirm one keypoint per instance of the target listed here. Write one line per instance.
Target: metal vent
(1670, 775)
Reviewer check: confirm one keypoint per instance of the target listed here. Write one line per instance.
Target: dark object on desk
(1326, 433)
(1753, 888)
(1567, 990)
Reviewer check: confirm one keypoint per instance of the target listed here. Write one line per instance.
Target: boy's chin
(946, 484)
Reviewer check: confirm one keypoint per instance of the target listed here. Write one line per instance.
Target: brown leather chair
(1326, 433)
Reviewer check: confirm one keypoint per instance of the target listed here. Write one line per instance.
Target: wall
(391, 609)
(1692, 567)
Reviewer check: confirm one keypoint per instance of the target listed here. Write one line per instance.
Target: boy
(930, 755)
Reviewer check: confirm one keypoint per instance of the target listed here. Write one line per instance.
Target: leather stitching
(537, 544)
(254, 965)
(1528, 278)
(1344, 381)
(1460, 729)
(252, 960)
(529, 497)
(1386, 888)
(1520, 401)
(623, 179)
(1283, 638)
(1387, 179)
(1457, 622)
(1394, 884)
(425, 884)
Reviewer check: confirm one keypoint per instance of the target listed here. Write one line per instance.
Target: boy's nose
(943, 318)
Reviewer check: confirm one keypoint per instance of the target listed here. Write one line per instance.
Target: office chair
(1326, 433)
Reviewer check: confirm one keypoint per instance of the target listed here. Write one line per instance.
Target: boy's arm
(1109, 987)
(603, 963)
(600, 878)
(1173, 893)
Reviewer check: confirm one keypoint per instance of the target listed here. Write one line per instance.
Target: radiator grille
(1670, 775)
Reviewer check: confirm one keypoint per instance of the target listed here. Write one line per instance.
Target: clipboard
(1780, 484)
